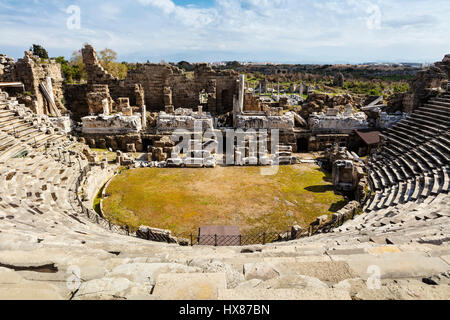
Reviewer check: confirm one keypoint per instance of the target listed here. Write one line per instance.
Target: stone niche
(114, 124)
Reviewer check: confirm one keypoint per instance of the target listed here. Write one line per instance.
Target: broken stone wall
(116, 124)
(31, 71)
(76, 95)
(221, 86)
(425, 85)
(252, 103)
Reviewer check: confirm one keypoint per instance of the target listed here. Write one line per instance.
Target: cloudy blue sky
(297, 31)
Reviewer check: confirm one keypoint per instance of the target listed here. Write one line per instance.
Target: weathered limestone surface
(385, 121)
(32, 71)
(183, 119)
(286, 121)
(114, 124)
(96, 98)
(335, 121)
(50, 248)
(153, 81)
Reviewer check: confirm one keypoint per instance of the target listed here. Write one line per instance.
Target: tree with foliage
(108, 61)
(39, 51)
(185, 66)
(73, 70)
(232, 65)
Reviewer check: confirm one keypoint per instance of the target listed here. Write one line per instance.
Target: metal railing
(265, 237)
(93, 216)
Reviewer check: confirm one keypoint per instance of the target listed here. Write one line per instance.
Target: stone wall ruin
(33, 71)
(160, 85)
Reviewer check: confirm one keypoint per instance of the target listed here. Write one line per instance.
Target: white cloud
(277, 30)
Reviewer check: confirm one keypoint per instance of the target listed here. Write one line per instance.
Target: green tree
(108, 61)
(39, 51)
(73, 70)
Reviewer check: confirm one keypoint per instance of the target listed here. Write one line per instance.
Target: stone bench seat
(6, 113)
(427, 121)
(382, 200)
(445, 142)
(391, 195)
(389, 153)
(441, 101)
(414, 164)
(433, 115)
(395, 137)
(404, 171)
(410, 186)
(446, 183)
(383, 179)
(26, 131)
(8, 123)
(389, 174)
(398, 174)
(424, 163)
(408, 135)
(398, 147)
(414, 130)
(15, 130)
(427, 184)
(432, 156)
(424, 127)
(437, 150)
(437, 186)
(434, 109)
(374, 179)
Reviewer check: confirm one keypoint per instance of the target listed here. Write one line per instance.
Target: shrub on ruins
(185, 66)
(73, 70)
(232, 65)
(39, 51)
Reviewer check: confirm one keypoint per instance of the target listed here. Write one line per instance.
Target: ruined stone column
(49, 86)
(144, 117)
(241, 92)
(105, 107)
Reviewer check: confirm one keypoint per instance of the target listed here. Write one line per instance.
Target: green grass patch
(97, 200)
(184, 199)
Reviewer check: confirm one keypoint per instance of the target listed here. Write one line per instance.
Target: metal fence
(265, 237)
(91, 214)
(239, 240)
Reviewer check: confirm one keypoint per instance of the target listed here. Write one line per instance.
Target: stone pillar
(167, 96)
(49, 86)
(241, 92)
(105, 107)
(144, 117)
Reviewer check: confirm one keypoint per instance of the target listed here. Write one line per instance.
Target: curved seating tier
(48, 250)
(413, 163)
